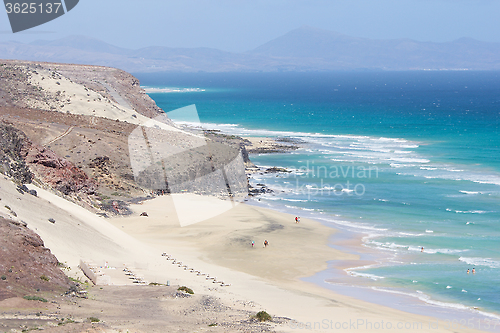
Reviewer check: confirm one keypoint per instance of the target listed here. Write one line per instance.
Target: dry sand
(77, 99)
(220, 247)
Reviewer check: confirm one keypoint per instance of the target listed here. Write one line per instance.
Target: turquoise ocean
(405, 160)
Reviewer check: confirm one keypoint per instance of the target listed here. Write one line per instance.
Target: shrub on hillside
(186, 289)
(263, 316)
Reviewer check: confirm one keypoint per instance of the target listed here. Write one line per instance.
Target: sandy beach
(268, 278)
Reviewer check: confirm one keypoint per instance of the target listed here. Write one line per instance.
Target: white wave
(314, 137)
(452, 173)
(353, 272)
(434, 251)
(329, 188)
(398, 247)
(353, 225)
(409, 234)
(171, 90)
(388, 246)
(380, 149)
(468, 211)
(370, 150)
(270, 198)
(478, 261)
(429, 231)
(469, 192)
(472, 212)
(366, 275)
(295, 200)
(409, 160)
(449, 287)
(425, 298)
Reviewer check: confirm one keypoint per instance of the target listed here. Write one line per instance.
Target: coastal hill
(81, 130)
(302, 49)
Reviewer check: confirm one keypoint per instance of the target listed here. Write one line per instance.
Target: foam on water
(155, 90)
(488, 262)
(395, 246)
(369, 150)
(427, 299)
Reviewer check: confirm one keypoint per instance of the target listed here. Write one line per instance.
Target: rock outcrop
(58, 172)
(26, 266)
(12, 161)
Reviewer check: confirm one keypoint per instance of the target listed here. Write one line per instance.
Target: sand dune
(77, 99)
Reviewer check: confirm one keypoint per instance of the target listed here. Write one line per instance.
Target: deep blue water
(424, 148)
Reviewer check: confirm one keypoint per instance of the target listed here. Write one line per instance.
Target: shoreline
(417, 303)
(232, 253)
(271, 144)
(389, 296)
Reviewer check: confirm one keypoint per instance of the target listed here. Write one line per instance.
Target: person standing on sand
(266, 243)
(253, 243)
(296, 219)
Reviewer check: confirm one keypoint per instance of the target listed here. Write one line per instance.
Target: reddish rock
(58, 172)
(26, 265)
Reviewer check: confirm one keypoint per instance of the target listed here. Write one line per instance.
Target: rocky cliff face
(26, 266)
(58, 172)
(12, 161)
(22, 160)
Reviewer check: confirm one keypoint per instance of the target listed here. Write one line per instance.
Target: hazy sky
(240, 25)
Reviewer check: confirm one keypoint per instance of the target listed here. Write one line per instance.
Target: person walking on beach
(296, 219)
(253, 243)
(266, 243)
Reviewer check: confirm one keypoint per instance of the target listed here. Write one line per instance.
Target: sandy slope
(75, 98)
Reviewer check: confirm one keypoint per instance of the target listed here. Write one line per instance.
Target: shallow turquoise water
(424, 148)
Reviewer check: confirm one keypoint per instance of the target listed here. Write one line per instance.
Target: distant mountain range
(302, 49)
